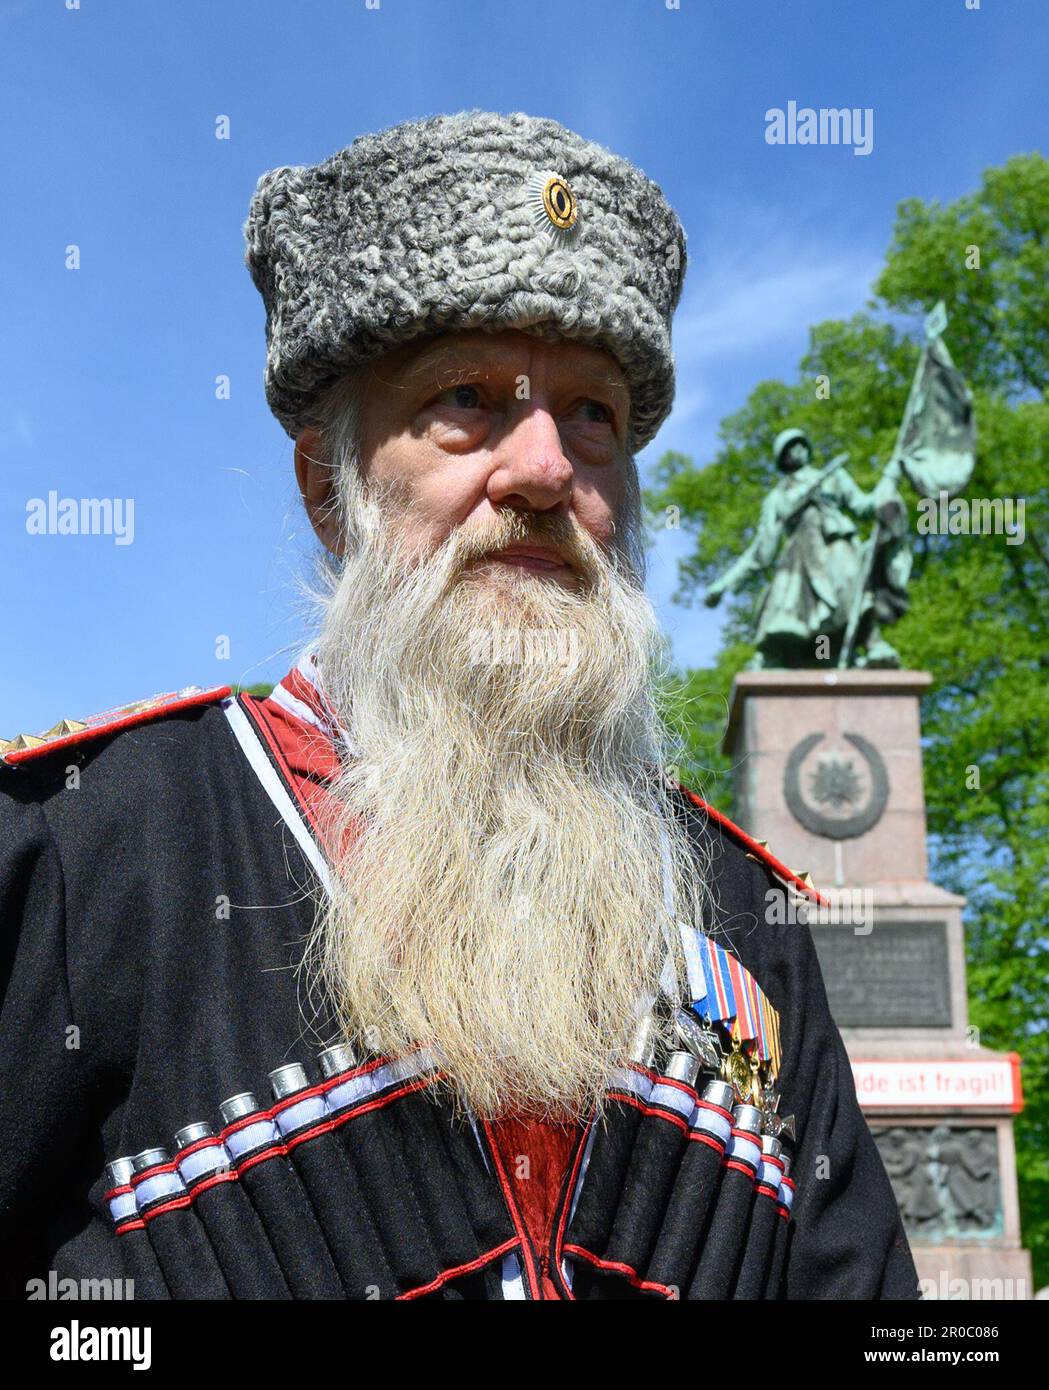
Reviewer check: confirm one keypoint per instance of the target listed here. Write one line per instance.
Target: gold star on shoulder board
(63, 727)
(24, 741)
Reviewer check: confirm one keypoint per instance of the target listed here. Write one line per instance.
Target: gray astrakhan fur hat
(474, 220)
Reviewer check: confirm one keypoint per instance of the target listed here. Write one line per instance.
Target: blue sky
(107, 372)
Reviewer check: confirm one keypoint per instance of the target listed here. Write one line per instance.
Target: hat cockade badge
(553, 204)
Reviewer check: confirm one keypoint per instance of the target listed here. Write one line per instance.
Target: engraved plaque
(896, 977)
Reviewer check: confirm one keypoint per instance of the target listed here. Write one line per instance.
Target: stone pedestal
(828, 770)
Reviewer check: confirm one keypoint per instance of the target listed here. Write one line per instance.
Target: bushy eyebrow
(459, 362)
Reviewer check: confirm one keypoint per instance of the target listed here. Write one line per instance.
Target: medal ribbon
(724, 991)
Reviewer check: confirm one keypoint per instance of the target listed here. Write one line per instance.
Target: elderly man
(422, 977)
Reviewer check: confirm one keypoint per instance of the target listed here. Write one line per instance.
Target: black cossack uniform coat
(153, 910)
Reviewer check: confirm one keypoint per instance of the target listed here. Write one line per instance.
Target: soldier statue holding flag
(830, 592)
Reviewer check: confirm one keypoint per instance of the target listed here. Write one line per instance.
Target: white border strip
(281, 695)
(274, 787)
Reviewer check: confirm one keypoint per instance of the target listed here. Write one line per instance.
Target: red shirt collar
(302, 734)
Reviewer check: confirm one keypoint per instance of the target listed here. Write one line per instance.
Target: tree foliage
(979, 606)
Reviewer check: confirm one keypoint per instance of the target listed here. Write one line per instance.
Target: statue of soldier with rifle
(830, 591)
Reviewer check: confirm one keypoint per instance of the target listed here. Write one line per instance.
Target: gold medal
(736, 1071)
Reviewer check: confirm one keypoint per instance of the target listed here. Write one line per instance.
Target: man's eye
(597, 412)
(465, 397)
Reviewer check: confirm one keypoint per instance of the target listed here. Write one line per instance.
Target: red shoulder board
(757, 849)
(68, 733)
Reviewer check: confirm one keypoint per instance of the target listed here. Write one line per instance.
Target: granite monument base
(828, 770)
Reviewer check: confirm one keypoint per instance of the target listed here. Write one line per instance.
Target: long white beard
(504, 827)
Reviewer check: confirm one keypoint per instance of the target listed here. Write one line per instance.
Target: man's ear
(315, 485)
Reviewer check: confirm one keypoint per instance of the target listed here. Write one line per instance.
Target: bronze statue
(830, 591)
(806, 529)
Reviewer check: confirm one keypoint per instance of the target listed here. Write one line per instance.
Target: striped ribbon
(731, 996)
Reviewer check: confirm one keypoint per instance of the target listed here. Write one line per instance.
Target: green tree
(978, 616)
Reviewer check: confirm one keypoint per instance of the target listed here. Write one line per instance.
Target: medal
(772, 1123)
(701, 1041)
(755, 1077)
(735, 1069)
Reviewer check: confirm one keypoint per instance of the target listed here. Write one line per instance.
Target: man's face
(469, 424)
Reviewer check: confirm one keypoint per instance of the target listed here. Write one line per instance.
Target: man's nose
(530, 468)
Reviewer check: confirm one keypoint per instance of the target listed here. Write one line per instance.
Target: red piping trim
(209, 1141)
(569, 1195)
(449, 1274)
(142, 716)
(169, 1167)
(351, 1112)
(302, 1136)
(776, 865)
(671, 1115)
(644, 1071)
(681, 1086)
(428, 1076)
(515, 1215)
(274, 1151)
(717, 1109)
(307, 1093)
(256, 1117)
(294, 1140)
(487, 1258)
(699, 1136)
(739, 1167)
(615, 1268)
(216, 1178)
(176, 1204)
